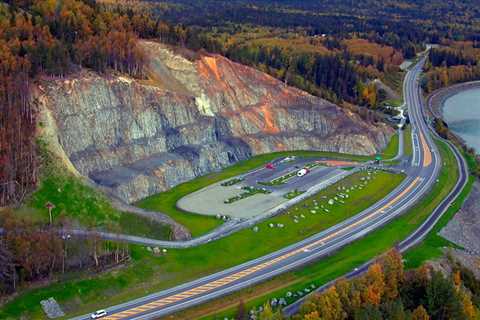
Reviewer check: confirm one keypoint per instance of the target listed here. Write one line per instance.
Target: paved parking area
(210, 200)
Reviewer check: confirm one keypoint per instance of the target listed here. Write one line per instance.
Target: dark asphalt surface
(282, 168)
(421, 177)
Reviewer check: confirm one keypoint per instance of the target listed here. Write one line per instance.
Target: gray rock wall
(140, 137)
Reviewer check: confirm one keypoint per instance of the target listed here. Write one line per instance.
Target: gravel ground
(444, 264)
(210, 200)
(464, 228)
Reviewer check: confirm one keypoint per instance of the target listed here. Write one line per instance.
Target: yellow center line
(427, 154)
(243, 273)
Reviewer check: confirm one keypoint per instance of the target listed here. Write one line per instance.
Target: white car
(98, 314)
(302, 172)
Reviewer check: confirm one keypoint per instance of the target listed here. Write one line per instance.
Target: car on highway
(98, 314)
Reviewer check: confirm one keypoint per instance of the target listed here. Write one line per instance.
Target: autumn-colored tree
(368, 94)
(468, 308)
(269, 314)
(328, 305)
(457, 279)
(420, 313)
(374, 285)
(392, 266)
(348, 294)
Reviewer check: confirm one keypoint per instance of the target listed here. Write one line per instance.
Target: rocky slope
(193, 116)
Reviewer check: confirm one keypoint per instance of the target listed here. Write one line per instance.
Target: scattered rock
(52, 308)
(464, 229)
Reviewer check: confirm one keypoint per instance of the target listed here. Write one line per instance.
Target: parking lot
(268, 185)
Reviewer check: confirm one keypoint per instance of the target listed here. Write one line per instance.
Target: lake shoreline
(436, 100)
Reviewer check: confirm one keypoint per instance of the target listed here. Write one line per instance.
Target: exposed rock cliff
(190, 118)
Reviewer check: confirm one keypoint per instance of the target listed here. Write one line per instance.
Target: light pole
(50, 206)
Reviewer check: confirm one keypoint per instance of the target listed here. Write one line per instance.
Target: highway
(417, 236)
(421, 175)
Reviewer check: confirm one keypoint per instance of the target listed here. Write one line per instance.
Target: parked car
(302, 172)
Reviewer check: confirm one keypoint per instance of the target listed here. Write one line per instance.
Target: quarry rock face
(191, 117)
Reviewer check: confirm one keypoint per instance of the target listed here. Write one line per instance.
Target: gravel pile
(464, 228)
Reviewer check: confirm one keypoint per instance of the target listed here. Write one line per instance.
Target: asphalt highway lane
(421, 177)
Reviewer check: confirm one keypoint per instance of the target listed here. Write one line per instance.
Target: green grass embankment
(148, 273)
(392, 148)
(82, 205)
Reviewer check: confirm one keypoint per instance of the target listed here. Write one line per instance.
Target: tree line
(447, 57)
(330, 76)
(447, 66)
(51, 38)
(387, 291)
(30, 252)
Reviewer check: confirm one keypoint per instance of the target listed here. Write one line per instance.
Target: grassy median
(148, 274)
(407, 140)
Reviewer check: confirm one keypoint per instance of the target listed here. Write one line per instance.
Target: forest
(335, 54)
(331, 49)
(50, 38)
(29, 252)
(387, 291)
(452, 63)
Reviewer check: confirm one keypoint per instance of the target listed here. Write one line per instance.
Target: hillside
(191, 116)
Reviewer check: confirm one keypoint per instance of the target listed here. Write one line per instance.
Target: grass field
(431, 247)
(200, 224)
(84, 206)
(392, 148)
(148, 273)
(349, 257)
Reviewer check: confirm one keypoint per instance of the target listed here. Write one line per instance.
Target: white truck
(302, 172)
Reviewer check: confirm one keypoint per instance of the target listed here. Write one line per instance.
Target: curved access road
(421, 175)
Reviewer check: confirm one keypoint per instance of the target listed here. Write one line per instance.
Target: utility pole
(50, 206)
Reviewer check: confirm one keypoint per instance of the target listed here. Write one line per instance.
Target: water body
(462, 114)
